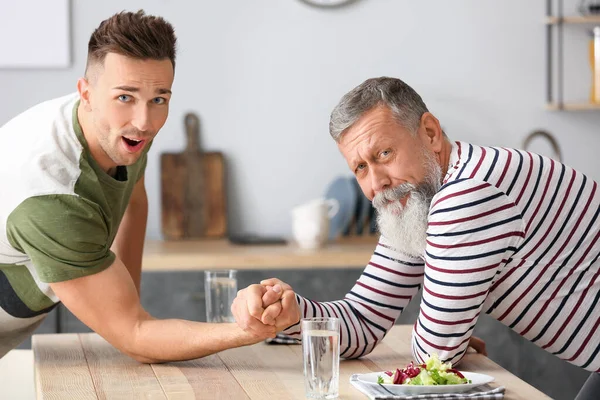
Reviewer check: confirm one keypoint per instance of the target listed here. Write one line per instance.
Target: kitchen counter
(221, 254)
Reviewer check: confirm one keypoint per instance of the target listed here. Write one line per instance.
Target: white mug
(310, 222)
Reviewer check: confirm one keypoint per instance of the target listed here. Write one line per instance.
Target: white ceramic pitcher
(310, 222)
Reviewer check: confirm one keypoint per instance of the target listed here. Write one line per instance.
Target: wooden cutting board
(193, 189)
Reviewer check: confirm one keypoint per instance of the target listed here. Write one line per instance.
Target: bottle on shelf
(595, 65)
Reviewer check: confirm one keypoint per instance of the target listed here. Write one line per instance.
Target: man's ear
(84, 89)
(431, 132)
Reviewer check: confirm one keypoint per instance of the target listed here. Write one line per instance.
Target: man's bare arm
(129, 242)
(108, 303)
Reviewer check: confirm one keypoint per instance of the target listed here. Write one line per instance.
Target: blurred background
(263, 76)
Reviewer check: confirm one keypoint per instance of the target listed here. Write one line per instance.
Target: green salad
(432, 372)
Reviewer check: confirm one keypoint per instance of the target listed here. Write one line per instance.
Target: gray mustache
(393, 194)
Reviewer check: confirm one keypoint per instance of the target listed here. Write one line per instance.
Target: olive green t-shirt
(59, 212)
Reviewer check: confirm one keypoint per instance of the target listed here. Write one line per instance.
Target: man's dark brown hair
(134, 35)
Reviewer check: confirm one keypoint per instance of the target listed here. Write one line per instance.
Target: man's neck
(445, 155)
(96, 151)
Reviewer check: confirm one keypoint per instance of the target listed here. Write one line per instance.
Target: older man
(482, 229)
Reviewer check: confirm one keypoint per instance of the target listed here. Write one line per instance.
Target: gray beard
(405, 228)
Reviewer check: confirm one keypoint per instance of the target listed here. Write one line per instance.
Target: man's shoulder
(40, 130)
(39, 152)
(476, 163)
(467, 152)
(64, 236)
(55, 219)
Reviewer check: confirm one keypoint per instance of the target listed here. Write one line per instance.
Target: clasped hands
(270, 307)
(266, 308)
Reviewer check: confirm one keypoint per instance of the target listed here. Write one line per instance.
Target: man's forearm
(108, 303)
(129, 242)
(369, 310)
(174, 340)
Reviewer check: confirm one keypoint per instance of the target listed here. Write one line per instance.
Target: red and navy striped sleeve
(369, 310)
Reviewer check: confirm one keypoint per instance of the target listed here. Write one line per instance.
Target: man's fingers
(272, 295)
(288, 299)
(263, 309)
(478, 344)
(253, 295)
(271, 313)
(275, 281)
(249, 323)
(290, 313)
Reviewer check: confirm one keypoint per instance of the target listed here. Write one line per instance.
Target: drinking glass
(321, 353)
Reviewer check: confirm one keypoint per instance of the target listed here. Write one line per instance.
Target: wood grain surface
(85, 366)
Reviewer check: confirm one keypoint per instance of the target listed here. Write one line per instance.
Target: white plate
(344, 191)
(476, 379)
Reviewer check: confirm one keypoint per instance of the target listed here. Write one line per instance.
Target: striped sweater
(510, 233)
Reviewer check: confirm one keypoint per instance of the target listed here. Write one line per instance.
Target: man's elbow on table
(127, 336)
(141, 359)
(132, 346)
(107, 302)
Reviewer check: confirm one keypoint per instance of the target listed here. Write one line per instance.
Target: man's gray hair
(405, 104)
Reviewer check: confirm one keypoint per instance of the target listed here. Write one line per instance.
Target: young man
(481, 229)
(73, 210)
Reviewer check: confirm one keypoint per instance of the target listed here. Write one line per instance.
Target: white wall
(264, 75)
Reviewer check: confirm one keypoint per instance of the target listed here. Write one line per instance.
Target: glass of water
(220, 288)
(321, 350)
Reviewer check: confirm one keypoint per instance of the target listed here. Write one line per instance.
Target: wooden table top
(85, 366)
(16, 375)
(221, 254)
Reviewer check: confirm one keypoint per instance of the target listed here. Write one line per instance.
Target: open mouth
(133, 145)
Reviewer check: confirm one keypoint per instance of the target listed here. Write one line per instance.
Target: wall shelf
(572, 106)
(552, 20)
(555, 57)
